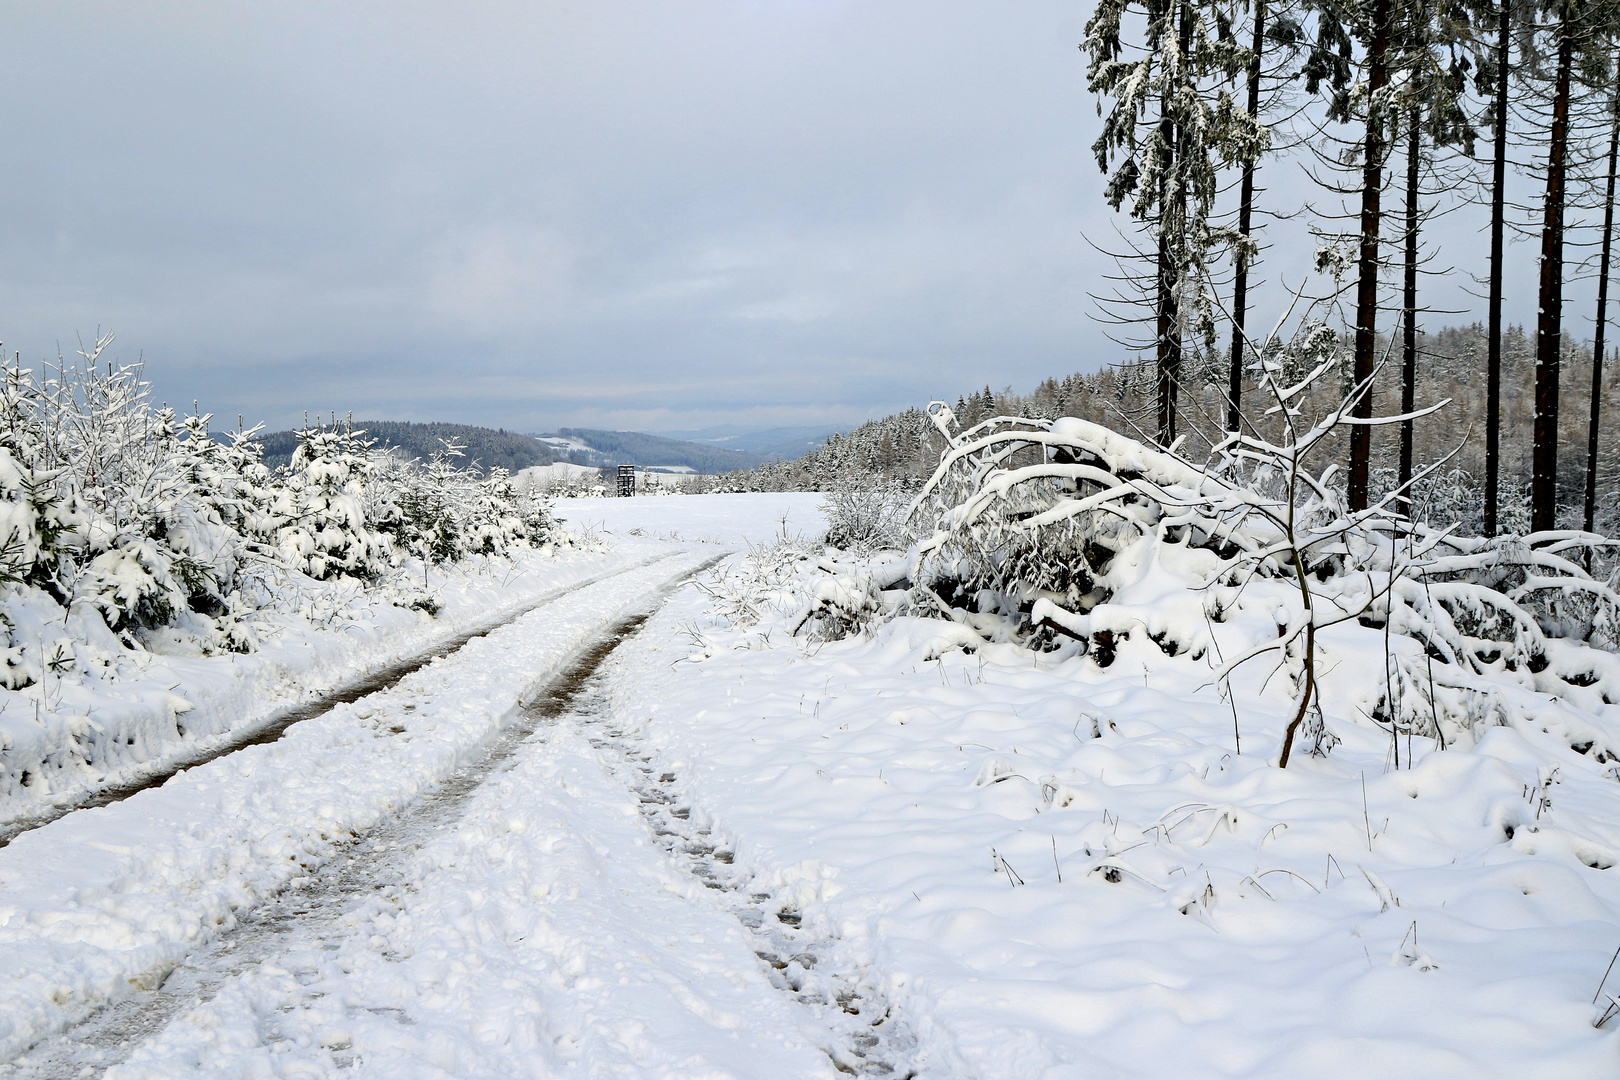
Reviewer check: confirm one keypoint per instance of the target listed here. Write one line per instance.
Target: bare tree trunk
(1590, 516)
(1172, 249)
(1169, 341)
(1493, 361)
(1372, 183)
(1240, 282)
(1409, 344)
(1550, 318)
(1167, 331)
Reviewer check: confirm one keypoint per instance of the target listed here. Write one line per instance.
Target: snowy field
(1058, 871)
(738, 853)
(719, 519)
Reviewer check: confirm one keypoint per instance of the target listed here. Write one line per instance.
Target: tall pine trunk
(1240, 281)
(1550, 316)
(1493, 361)
(1590, 516)
(1372, 183)
(1168, 340)
(1409, 297)
(1172, 244)
(1167, 329)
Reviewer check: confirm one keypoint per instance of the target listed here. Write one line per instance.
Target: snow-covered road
(105, 903)
(541, 932)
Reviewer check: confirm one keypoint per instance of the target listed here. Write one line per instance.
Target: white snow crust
(546, 935)
(740, 520)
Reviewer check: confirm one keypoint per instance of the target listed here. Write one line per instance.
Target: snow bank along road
(148, 711)
(103, 904)
(151, 773)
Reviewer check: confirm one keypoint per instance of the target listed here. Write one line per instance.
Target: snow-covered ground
(754, 519)
(110, 899)
(1061, 871)
(76, 733)
(745, 855)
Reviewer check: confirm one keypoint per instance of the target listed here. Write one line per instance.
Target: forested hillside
(906, 446)
(635, 448)
(487, 447)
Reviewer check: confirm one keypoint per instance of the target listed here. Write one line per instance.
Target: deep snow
(740, 520)
(1046, 868)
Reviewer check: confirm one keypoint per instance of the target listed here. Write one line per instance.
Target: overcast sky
(647, 215)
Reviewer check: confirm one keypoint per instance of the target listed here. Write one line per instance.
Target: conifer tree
(1432, 77)
(1171, 126)
(1573, 37)
(1493, 64)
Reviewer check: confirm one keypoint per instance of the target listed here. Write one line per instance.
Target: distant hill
(489, 447)
(589, 446)
(782, 443)
(582, 446)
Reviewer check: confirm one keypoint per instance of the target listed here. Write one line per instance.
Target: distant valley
(712, 450)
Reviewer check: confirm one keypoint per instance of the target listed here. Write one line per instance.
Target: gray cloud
(634, 214)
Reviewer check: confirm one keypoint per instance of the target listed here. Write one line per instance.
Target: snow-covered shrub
(819, 595)
(441, 513)
(429, 506)
(533, 510)
(497, 522)
(1043, 529)
(112, 504)
(132, 585)
(865, 514)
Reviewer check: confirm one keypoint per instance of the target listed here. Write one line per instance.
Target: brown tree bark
(1598, 344)
(1172, 241)
(1167, 328)
(1409, 298)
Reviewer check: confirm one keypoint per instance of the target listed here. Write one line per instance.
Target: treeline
(907, 446)
(1398, 110)
(488, 448)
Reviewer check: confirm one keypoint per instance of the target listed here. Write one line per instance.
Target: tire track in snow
(367, 865)
(866, 1035)
(275, 726)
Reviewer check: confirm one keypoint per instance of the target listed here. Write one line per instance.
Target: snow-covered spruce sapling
(323, 529)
